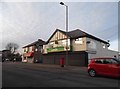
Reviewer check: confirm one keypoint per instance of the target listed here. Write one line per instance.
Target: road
(39, 75)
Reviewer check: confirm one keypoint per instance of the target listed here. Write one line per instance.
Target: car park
(104, 66)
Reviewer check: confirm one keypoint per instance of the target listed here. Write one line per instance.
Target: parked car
(104, 66)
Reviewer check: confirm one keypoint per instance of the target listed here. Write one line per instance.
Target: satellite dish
(108, 41)
(108, 45)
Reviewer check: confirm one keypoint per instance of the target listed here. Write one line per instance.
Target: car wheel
(92, 72)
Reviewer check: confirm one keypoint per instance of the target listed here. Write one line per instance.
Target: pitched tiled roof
(41, 42)
(78, 33)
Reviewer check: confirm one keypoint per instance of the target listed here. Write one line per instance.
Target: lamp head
(61, 3)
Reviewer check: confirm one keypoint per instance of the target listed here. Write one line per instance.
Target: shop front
(28, 57)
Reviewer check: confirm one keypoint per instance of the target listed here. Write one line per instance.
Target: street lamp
(66, 31)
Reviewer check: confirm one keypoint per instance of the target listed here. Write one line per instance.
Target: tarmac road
(42, 75)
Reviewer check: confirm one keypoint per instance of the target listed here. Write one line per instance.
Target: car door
(115, 68)
(106, 65)
(100, 68)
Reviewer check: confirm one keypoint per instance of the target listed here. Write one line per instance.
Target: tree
(12, 47)
(18, 57)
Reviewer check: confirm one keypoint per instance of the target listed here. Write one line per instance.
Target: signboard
(58, 49)
(57, 46)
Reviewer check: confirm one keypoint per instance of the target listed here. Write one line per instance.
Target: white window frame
(79, 41)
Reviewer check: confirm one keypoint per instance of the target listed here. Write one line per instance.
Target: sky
(26, 22)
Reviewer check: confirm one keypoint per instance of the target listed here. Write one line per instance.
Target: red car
(104, 66)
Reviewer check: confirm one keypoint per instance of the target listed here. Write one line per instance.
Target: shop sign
(55, 49)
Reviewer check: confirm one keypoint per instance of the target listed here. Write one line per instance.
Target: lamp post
(66, 32)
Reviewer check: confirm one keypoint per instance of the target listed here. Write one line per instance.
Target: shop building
(81, 46)
(30, 49)
(78, 45)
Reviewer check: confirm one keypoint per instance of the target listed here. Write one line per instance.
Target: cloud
(59, 0)
(113, 45)
(95, 18)
(26, 22)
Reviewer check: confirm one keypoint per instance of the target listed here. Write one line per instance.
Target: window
(56, 42)
(92, 45)
(99, 61)
(32, 48)
(24, 50)
(107, 61)
(28, 49)
(103, 45)
(64, 42)
(79, 41)
(50, 45)
(113, 61)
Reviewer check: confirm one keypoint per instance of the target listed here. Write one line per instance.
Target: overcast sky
(26, 22)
